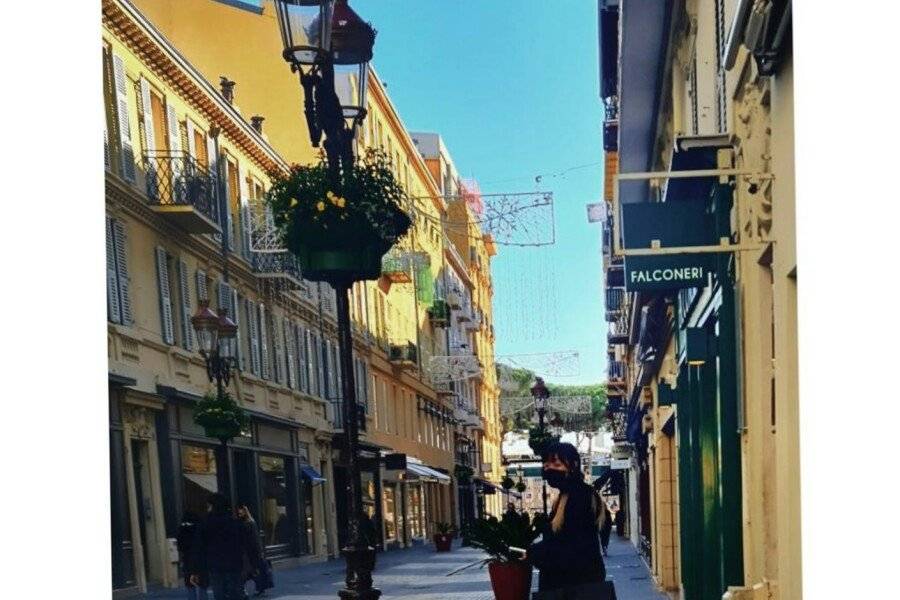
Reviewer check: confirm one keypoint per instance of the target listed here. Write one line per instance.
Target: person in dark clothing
(605, 528)
(251, 570)
(568, 555)
(220, 550)
(187, 535)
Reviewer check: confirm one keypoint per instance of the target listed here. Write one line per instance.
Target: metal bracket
(656, 248)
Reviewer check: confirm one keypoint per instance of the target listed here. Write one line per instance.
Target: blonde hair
(559, 511)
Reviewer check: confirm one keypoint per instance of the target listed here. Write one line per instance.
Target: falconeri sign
(671, 224)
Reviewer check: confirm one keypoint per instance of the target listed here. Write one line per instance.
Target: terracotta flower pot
(510, 580)
(443, 542)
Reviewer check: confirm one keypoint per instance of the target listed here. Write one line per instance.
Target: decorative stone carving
(140, 421)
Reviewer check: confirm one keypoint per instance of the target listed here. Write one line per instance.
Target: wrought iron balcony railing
(278, 265)
(183, 190)
(615, 302)
(611, 135)
(615, 371)
(404, 355)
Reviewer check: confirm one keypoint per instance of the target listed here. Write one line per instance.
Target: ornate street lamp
(217, 335)
(331, 46)
(541, 396)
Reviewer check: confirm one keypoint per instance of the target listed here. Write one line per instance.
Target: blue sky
(513, 90)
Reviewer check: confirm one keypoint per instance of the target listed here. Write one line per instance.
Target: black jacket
(222, 544)
(570, 556)
(188, 533)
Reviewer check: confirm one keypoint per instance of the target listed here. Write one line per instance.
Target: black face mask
(554, 478)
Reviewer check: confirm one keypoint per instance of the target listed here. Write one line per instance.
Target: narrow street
(421, 574)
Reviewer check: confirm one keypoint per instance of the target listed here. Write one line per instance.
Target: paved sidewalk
(421, 574)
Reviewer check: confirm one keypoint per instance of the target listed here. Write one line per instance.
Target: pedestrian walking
(221, 547)
(568, 555)
(257, 572)
(511, 509)
(188, 531)
(605, 528)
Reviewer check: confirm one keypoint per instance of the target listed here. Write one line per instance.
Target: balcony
(439, 314)
(615, 378)
(615, 302)
(281, 266)
(615, 275)
(182, 190)
(454, 298)
(404, 356)
(395, 267)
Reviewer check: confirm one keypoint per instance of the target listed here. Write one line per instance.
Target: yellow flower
(329, 194)
(341, 202)
(294, 202)
(320, 206)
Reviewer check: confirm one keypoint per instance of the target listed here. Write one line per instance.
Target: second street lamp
(541, 396)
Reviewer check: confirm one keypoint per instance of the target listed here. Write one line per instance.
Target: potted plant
(510, 576)
(339, 227)
(220, 416)
(520, 486)
(443, 536)
(507, 483)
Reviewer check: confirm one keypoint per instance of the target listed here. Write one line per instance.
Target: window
(198, 476)
(122, 118)
(118, 300)
(276, 525)
(184, 303)
(389, 510)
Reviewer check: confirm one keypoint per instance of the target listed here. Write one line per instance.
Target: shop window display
(198, 475)
(390, 515)
(275, 523)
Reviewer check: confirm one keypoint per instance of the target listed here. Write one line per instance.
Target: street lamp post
(541, 396)
(330, 46)
(216, 336)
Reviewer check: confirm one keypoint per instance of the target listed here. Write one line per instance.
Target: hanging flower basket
(220, 417)
(539, 441)
(339, 231)
(521, 487)
(507, 483)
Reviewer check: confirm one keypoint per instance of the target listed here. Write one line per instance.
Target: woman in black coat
(568, 555)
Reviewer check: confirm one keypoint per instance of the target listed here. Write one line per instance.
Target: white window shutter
(302, 369)
(178, 189)
(165, 296)
(229, 222)
(320, 367)
(290, 346)
(187, 332)
(107, 163)
(277, 358)
(223, 296)
(127, 147)
(263, 343)
(113, 309)
(147, 109)
(202, 294)
(254, 337)
(192, 145)
(235, 316)
(122, 272)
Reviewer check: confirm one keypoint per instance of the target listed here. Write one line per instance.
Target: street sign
(620, 463)
(596, 212)
(668, 225)
(666, 272)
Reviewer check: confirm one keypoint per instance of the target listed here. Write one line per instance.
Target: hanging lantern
(352, 43)
(306, 27)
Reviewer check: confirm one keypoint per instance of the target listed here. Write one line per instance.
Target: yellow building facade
(170, 129)
(720, 106)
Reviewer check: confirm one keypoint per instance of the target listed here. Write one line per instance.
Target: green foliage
(221, 417)
(310, 213)
(495, 536)
(507, 483)
(539, 441)
(443, 528)
(520, 486)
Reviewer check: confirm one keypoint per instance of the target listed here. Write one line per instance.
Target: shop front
(372, 490)
(426, 493)
(266, 468)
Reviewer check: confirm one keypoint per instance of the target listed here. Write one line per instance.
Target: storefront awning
(426, 473)
(311, 474)
(207, 481)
